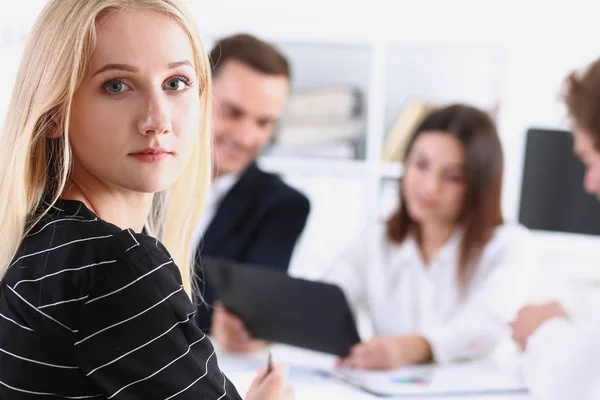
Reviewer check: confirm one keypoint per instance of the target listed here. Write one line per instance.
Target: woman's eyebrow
(131, 68)
(121, 67)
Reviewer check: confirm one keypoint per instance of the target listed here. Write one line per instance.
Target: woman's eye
(175, 84)
(454, 178)
(421, 164)
(116, 86)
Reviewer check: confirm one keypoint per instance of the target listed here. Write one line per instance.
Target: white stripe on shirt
(58, 247)
(60, 220)
(129, 284)
(133, 237)
(63, 302)
(50, 394)
(135, 245)
(65, 270)
(166, 366)
(128, 319)
(224, 385)
(39, 362)
(193, 383)
(139, 347)
(53, 206)
(41, 312)
(16, 323)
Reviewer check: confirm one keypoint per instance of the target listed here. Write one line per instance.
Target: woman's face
(137, 114)
(434, 181)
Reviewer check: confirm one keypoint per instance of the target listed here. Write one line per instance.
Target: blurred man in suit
(251, 216)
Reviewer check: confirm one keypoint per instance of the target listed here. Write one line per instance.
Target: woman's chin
(421, 215)
(152, 186)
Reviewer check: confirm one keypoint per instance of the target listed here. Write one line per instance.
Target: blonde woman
(107, 136)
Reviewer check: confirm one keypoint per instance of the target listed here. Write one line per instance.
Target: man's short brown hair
(251, 51)
(582, 98)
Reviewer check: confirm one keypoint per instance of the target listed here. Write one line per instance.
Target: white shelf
(314, 166)
(359, 169)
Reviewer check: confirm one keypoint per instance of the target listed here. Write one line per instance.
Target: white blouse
(562, 360)
(403, 295)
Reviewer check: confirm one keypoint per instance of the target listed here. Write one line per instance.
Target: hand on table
(388, 352)
(531, 317)
(230, 333)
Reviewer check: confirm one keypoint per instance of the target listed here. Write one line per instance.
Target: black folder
(283, 309)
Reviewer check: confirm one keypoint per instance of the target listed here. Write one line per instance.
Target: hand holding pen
(271, 383)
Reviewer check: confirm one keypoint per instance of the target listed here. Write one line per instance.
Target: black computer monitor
(552, 193)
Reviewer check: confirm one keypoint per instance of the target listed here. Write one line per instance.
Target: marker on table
(410, 380)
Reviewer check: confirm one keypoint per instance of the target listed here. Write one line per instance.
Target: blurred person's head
(582, 98)
(251, 86)
(452, 177)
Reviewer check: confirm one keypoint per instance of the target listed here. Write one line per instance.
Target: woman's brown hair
(582, 98)
(481, 211)
(250, 51)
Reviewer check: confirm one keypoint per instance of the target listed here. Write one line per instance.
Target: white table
(307, 384)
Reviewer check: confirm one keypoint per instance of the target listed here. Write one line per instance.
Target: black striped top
(88, 310)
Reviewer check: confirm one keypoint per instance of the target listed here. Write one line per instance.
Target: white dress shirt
(403, 295)
(218, 190)
(562, 360)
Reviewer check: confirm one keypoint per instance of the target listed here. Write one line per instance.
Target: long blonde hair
(34, 167)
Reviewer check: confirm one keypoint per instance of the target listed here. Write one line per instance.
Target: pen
(270, 363)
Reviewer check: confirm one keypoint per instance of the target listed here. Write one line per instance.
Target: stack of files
(465, 379)
(324, 122)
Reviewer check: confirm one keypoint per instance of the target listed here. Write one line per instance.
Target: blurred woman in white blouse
(443, 276)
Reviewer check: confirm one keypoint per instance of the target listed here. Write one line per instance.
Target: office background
(509, 58)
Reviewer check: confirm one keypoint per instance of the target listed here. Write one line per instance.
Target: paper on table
(241, 369)
(293, 357)
(299, 376)
(232, 363)
(434, 380)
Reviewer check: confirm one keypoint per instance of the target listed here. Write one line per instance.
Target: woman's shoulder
(511, 232)
(509, 238)
(75, 232)
(70, 248)
(72, 222)
(69, 260)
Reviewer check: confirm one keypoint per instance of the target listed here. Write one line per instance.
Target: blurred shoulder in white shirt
(562, 360)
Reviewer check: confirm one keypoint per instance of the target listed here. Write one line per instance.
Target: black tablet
(282, 309)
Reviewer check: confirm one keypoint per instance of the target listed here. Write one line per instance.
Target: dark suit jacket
(258, 222)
